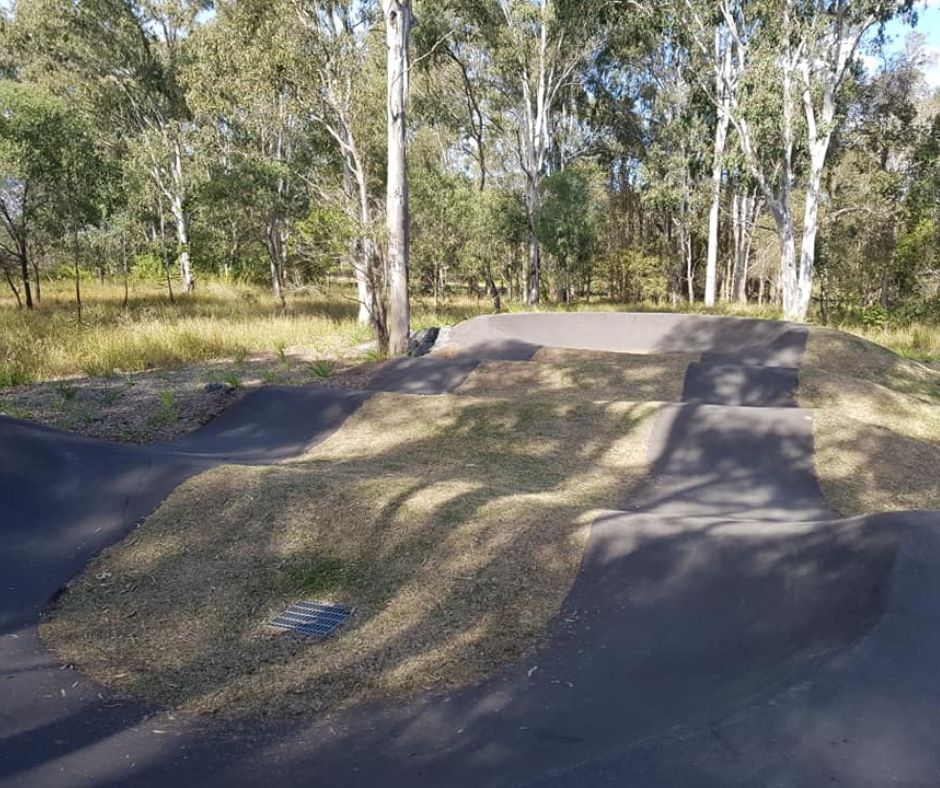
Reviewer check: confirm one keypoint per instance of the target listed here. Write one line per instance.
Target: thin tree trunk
(124, 267)
(398, 31)
(24, 273)
(166, 259)
(177, 208)
(533, 292)
(78, 279)
(721, 134)
(37, 281)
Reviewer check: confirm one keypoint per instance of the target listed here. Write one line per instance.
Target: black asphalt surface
(725, 628)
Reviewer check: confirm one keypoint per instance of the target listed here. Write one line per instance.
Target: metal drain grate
(316, 619)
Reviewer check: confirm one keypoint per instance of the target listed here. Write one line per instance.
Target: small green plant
(169, 412)
(374, 354)
(873, 316)
(280, 348)
(65, 390)
(12, 375)
(232, 379)
(322, 368)
(269, 377)
(240, 356)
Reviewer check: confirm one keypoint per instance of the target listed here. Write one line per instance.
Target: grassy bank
(455, 525)
(232, 321)
(876, 423)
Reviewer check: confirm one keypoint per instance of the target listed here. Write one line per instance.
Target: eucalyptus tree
(50, 178)
(398, 22)
(790, 60)
(711, 63)
(255, 136)
(120, 62)
(537, 53)
(340, 51)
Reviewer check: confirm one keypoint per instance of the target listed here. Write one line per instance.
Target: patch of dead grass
(455, 525)
(158, 405)
(865, 467)
(557, 372)
(876, 425)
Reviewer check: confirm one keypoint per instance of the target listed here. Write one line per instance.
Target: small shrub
(232, 379)
(65, 390)
(323, 368)
(13, 374)
(873, 316)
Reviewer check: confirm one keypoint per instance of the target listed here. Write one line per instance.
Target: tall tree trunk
(533, 277)
(745, 217)
(166, 259)
(788, 273)
(274, 244)
(722, 65)
(398, 30)
(804, 279)
(177, 208)
(125, 271)
(78, 278)
(23, 254)
(36, 280)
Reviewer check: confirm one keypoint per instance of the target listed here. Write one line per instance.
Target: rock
(216, 388)
(421, 342)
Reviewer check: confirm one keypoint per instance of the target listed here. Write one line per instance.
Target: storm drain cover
(316, 619)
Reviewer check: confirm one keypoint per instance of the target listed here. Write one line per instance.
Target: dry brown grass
(564, 373)
(876, 425)
(455, 525)
(146, 407)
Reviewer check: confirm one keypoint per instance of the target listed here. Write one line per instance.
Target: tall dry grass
(226, 320)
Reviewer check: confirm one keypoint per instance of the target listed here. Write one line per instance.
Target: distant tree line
(685, 150)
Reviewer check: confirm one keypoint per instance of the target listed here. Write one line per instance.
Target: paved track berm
(726, 628)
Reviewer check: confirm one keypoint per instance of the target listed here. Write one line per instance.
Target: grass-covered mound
(454, 524)
(877, 424)
(574, 373)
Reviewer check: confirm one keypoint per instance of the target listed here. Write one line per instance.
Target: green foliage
(567, 225)
(635, 277)
(322, 368)
(168, 410)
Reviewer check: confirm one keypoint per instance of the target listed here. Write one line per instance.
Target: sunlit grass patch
(560, 373)
(876, 425)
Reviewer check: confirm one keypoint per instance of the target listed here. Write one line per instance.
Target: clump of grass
(280, 350)
(168, 410)
(66, 390)
(323, 368)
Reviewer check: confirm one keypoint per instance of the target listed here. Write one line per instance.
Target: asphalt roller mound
(725, 629)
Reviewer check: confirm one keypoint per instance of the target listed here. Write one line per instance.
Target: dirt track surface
(725, 628)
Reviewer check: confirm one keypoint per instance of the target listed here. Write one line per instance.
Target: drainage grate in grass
(316, 619)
